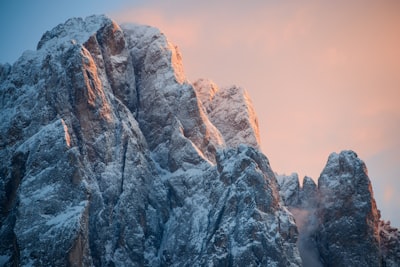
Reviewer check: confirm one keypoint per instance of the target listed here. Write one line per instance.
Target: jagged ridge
(109, 156)
(339, 221)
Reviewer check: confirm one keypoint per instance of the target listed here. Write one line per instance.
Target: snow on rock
(73, 153)
(249, 226)
(308, 193)
(228, 214)
(206, 90)
(302, 203)
(338, 220)
(110, 157)
(231, 111)
(168, 102)
(348, 230)
(73, 31)
(389, 243)
(289, 189)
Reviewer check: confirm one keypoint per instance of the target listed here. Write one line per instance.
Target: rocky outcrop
(74, 155)
(175, 127)
(107, 158)
(289, 189)
(348, 217)
(338, 221)
(389, 240)
(110, 157)
(231, 111)
(232, 218)
(302, 202)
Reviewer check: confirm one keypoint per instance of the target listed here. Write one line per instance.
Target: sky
(324, 76)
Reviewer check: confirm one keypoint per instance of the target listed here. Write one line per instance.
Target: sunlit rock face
(230, 109)
(109, 158)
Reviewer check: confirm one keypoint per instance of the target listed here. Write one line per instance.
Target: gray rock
(175, 127)
(289, 189)
(74, 155)
(338, 221)
(308, 193)
(389, 244)
(302, 203)
(108, 159)
(230, 109)
(235, 215)
(348, 228)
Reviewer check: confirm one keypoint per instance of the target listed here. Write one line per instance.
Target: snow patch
(70, 217)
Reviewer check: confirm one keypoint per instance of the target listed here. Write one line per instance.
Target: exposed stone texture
(338, 221)
(348, 229)
(231, 111)
(389, 244)
(289, 189)
(108, 159)
(308, 194)
(175, 127)
(302, 203)
(83, 154)
(252, 210)
(235, 212)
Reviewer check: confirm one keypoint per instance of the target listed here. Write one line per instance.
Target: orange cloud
(182, 30)
(323, 76)
(388, 195)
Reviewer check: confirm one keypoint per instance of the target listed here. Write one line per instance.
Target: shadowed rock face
(110, 157)
(302, 203)
(235, 212)
(338, 221)
(348, 231)
(107, 158)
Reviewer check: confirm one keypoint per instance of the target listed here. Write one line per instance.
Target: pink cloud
(184, 31)
(323, 76)
(389, 193)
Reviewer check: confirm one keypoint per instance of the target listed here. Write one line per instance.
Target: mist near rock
(110, 157)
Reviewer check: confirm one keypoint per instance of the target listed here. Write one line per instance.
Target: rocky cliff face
(338, 221)
(347, 213)
(231, 111)
(110, 157)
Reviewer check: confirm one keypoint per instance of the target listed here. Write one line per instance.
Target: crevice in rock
(124, 151)
(218, 220)
(18, 163)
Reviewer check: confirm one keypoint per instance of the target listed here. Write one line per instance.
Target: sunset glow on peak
(323, 76)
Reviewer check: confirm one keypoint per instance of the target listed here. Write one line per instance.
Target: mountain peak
(74, 31)
(231, 111)
(346, 201)
(109, 156)
(106, 149)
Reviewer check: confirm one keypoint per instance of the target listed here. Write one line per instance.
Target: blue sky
(24, 22)
(323, 75)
